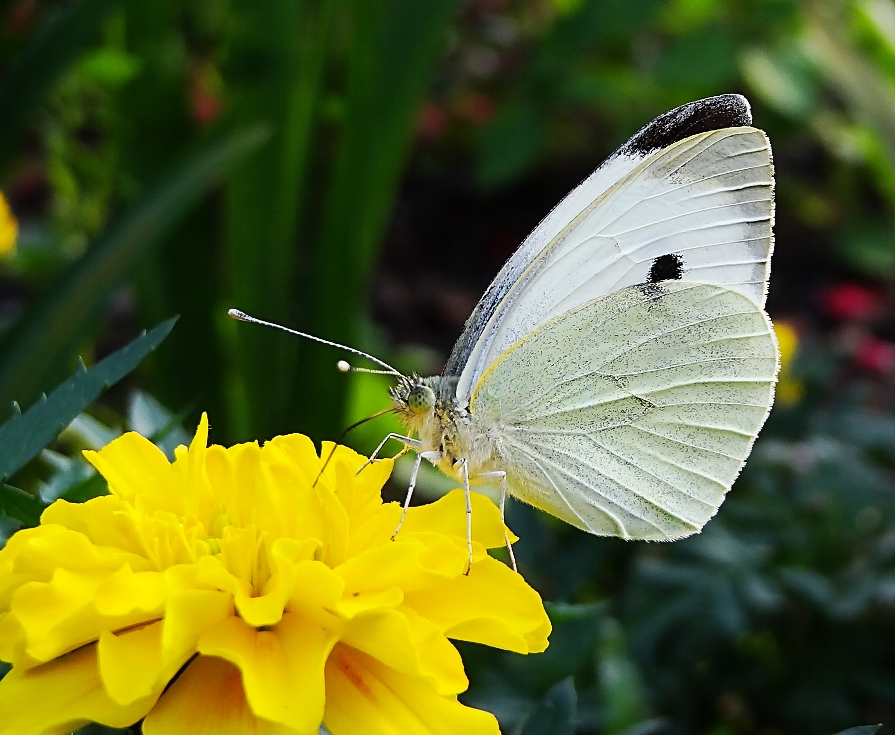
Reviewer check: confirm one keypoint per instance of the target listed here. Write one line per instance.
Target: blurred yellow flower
(789, 388)
(9, 227)
(227, 593)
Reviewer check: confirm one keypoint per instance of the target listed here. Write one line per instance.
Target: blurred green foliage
(186, 156)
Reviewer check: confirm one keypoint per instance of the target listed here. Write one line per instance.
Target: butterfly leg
(405, 440)
(464, 472)
(431, 456)
(503, 501)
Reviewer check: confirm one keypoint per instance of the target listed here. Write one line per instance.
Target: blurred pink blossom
(876, 356)
(432, 121)
(477, 107)
(850, 301)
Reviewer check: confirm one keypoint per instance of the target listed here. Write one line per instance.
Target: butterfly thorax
(429, 408)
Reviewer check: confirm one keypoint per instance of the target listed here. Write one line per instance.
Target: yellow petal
(492, 605)
(282, 668)
(366, 697)
(298, 451)
(208, 699)
(74, 608)
(447, 515)
(336, 526)
(361, 602)
(189, 466)
(316, 592)
(109, 521)
(407, 564)
(228, 471)
(359, 493)
(130, 663)
(191, 610)
(12, 576)
(42, 554)
(61, 696)
(124, 591)
(138, 471)
(408, 642)
(267, 608)
(9, 227)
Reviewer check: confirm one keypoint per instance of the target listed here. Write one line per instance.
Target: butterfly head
(421, 399)
(418, 400)
(413, 397)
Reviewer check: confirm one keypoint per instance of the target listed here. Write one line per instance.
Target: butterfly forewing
(677, 187)
(632, 415)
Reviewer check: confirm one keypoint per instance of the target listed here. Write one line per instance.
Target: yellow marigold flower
(789, 388)
(9, 227)
(787, 341)
(227, 593)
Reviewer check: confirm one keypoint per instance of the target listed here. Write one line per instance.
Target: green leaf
(20, 505)
(110, 66)
(621, 688)
(510, 145)
(563, 612)
(51, 331)
(277, 64)
(24, 436)
(860, 730)
(394, 48)
(556, 713)
(55, 47)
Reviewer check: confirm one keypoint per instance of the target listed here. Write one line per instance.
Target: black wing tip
(701, 116)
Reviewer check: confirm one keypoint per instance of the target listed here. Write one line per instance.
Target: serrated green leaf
(556, 713)
(24, 436)
(19, 505)
(50, 332)
(55, 47)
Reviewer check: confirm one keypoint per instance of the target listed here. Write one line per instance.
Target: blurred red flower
(876, 356)
(850, 301)
(477, 107)
(20, 16)
(205, 94)
(432, 121)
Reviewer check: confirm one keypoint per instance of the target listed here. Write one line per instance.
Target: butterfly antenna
(346, 367)
(344, 434)
(243, 317)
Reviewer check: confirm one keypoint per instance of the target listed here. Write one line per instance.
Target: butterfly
(618, 369)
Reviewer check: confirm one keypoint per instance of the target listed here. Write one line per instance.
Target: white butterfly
(619, 367)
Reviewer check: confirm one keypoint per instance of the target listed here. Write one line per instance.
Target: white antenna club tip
(342, 365)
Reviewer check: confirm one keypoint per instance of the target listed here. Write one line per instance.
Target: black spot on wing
(666, 268)
(712, 113)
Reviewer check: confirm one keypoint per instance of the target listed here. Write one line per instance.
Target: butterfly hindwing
(632, 415)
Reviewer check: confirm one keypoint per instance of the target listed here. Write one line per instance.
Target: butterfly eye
(421, 399)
